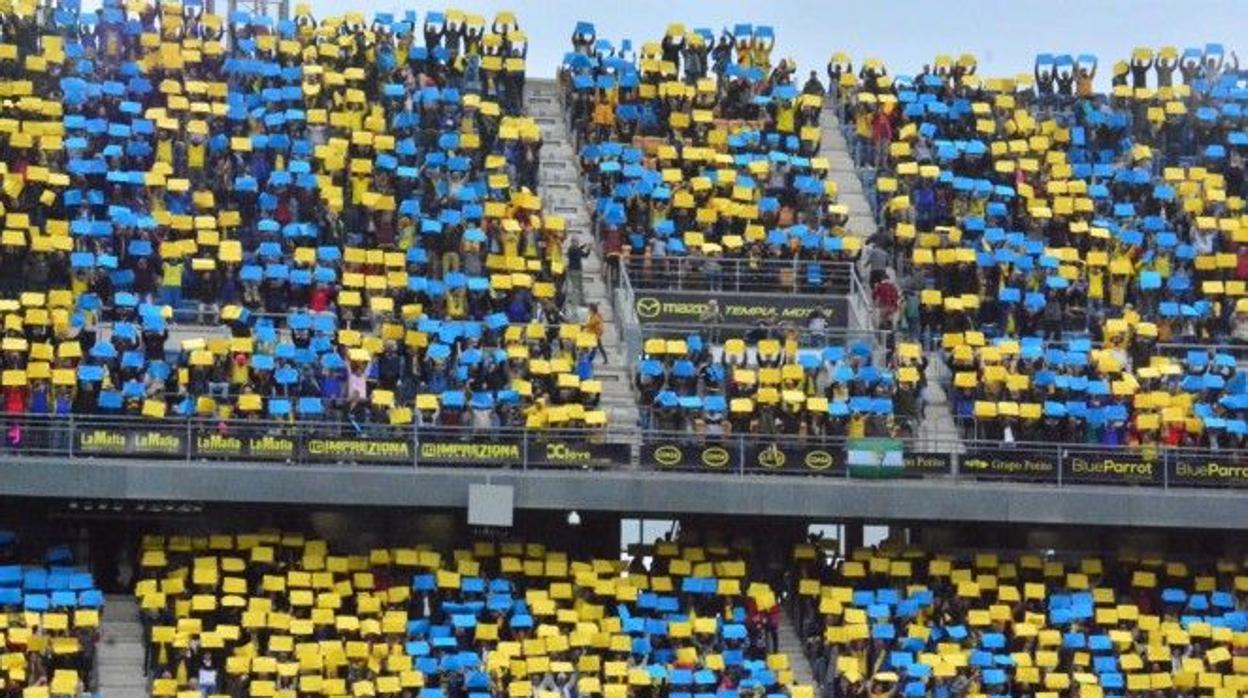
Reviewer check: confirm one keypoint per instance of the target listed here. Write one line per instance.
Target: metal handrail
(829, 336)
(305, 441)
(737, 275)
(1240, 351)
(983, 444)
(99, 438)
(1042, 464)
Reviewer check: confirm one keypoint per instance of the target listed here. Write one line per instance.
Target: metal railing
(782, 283)
(861, 305)
(782, 278)
(732, 275)
(808, 338)
(710, 451)
(1172, 349)
(1048, 464)
(674, 305)
(307, 442)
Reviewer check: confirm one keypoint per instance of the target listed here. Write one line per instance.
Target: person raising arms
(1085, 73)
(1140, 68)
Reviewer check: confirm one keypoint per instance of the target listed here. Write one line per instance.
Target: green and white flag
(875, 458)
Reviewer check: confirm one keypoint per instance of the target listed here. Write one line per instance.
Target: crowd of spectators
(708, 162)
(273, 614)
(50, 610)
(351, 206)
(1056, 243)
(709, 170)
(900, 621)
(775, 383)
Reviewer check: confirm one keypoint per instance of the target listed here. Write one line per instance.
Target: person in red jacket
(882, 136)
(15, 398)
(887, 301)
(771, 622)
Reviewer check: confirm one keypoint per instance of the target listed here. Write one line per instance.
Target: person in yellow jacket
(604, 115)
(760, 52)
(1084, 75)
(786, 116)
(745, 52)
(196, 153)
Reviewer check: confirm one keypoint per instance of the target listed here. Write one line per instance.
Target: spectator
(887, 300)
(428, 620)
(813, 86)
(577, 252)
(596, 326)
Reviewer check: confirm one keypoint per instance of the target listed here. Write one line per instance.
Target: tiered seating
(52, 613)
(777, 385)
(1117, 395)
(281, 614)
(356, 208)
(1115, 221)
(711, 167)
(920, 624)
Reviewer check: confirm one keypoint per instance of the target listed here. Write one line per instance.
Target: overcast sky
(1004, 34)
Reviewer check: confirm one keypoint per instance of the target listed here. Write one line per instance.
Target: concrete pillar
(898, 535)
(853, 536)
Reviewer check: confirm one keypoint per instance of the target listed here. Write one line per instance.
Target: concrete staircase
(841, 170)
(937, 427)
(119, 659)
(559, 184)
(791, 645)
(938, 432)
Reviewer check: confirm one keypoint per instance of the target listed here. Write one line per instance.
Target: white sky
(1004, 34)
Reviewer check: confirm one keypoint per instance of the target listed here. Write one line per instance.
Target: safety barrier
(346, 444)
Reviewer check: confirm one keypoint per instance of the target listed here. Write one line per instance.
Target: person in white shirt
(207, 677)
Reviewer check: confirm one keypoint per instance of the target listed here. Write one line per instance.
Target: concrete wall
(633, 492)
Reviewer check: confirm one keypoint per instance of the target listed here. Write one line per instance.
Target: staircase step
(559, 182)
(938, 423)
(790, 644)
(842, 171)
(120, 653)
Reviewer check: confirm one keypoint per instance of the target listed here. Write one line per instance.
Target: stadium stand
(714, 176)
(279, 614)
(342, 232)
(354, 211)
(901, 621)
(772, 385)
(51, 610)
(1074, 255)
(717, 164)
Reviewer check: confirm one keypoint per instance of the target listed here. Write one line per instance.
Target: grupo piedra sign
(1006, 465)
(923, 464)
